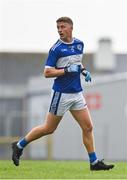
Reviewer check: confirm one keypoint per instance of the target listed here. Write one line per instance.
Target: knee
(88, 129)
(49, 130)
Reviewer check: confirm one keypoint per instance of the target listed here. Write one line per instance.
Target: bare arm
(53, 72)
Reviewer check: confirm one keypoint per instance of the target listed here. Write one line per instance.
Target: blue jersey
(63, 54)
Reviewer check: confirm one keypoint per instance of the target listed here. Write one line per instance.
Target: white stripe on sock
(93, 163)
(19, 146)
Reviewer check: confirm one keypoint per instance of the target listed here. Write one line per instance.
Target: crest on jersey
(79, 47)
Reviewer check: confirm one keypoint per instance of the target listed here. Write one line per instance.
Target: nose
(59, 30)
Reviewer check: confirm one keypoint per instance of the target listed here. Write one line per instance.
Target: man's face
(64, 30)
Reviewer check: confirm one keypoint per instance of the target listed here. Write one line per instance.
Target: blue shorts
(62, 102)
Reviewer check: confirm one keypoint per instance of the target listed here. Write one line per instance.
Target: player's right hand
(73, 68)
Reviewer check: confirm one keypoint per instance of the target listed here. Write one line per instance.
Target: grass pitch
(58, 170)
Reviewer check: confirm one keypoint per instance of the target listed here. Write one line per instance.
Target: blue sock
(22, 143)
(92, 157)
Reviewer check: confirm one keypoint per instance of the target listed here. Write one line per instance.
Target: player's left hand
(86, 74)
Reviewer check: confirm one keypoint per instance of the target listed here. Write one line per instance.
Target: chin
(63, 38)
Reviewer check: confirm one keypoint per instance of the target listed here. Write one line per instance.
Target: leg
(84, 120)
(48, 127)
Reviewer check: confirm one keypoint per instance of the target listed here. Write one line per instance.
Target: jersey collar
(66, 42)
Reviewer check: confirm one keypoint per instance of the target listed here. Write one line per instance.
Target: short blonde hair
(65, 19)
